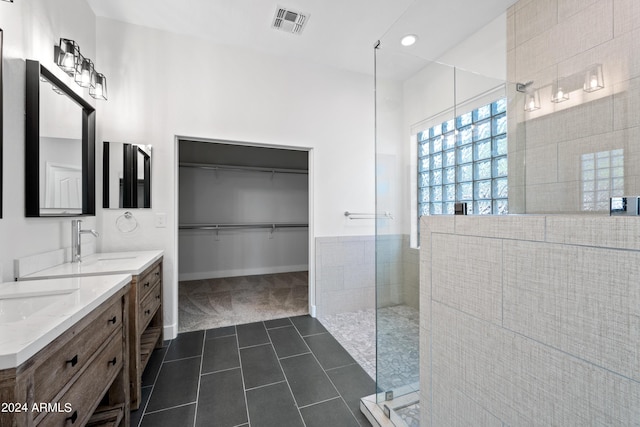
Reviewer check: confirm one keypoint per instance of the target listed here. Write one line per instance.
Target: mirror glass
(126, 175)
(60, 153)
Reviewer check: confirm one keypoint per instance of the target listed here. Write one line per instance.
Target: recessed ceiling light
(409, 40)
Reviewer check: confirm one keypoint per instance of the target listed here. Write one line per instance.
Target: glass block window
(602, 178)
(465, 160)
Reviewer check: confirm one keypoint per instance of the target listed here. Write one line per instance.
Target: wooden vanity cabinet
(146, 325)
(80, 378)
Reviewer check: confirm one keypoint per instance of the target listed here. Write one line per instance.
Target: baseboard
(241, 272)
(170, 331)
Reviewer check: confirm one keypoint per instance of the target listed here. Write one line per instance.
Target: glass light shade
(67, 56)
(99, 91)
(532, 100)
(558, 93)
(85, 73)
(593, 79)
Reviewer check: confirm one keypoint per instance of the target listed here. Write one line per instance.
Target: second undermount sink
(16, 308)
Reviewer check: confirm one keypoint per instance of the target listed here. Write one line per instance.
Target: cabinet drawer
(84, 394)
(148, 307)
(147, 281)
(51, 376)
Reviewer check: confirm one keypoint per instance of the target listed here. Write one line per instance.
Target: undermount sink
(16, 308)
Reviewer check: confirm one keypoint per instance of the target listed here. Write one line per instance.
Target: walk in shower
(539, 115)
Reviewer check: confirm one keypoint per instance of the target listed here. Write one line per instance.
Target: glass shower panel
(443, 135)
(415, 174)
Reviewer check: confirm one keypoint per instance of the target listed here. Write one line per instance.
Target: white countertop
(132, 263)
(34, 313)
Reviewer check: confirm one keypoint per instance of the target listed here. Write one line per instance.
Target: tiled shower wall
(346, 273)
(551, 39)
(530, 320)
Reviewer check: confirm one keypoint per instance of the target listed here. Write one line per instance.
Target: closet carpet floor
(215, 303)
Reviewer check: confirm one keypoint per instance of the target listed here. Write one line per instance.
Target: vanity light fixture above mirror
(71, 61)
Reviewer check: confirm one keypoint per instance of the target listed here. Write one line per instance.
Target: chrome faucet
(76, 232)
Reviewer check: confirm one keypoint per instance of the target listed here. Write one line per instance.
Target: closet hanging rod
(356, 215)
(272, 226)
(243, 168)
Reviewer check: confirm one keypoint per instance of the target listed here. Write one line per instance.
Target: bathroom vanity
(145, 328)
(63, 352)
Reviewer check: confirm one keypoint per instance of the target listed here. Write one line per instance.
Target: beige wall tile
(626, 16)
(466, 275)
(534, 18)
(563, 197)
(529, 227)
(523, 382)
(589, 27)
(582, 300)
(594, 230)
(568, 8)
(542, 165)
(626, 104)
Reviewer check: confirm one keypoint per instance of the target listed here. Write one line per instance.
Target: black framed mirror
(126, 180)
(1, 115)
(60, 147)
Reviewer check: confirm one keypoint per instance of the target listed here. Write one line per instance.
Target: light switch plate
(161, 220)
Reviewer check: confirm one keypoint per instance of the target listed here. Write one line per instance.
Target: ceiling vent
(289, 20)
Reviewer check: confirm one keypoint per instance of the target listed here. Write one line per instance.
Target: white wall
(31, 28)
(162, 85)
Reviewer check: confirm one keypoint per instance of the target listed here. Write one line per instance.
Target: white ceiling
(339, 33)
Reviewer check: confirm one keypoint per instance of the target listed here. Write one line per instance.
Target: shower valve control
(624, 205)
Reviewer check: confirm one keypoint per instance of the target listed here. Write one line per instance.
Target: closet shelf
(243, 168)
(271, 226)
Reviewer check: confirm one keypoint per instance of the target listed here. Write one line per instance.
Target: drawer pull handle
(157, 296)
(112, 362)
(157, 273)
(147, 312)
(112, 320)
(146, 285)
(73, 417)
(73, 361)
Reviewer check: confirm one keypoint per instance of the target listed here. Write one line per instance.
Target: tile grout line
(285, 377)
(329, 378)
(153, 386)
(265, 385)
(195, 415)
(244, 385)
(171, 407)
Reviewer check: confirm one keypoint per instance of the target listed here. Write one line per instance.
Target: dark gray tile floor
(279, 373)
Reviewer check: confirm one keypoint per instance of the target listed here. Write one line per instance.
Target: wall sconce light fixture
(99, 91)
(67, 54)
(71, 61)
(85, 73)
(531, 96)
(593, 78)
(558, 94)
(532, 100)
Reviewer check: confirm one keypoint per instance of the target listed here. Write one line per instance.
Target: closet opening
(243, 233)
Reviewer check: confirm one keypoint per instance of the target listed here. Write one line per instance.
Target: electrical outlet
(161, 220)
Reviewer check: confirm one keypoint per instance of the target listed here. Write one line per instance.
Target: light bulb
(409, 40)
(594, 81)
